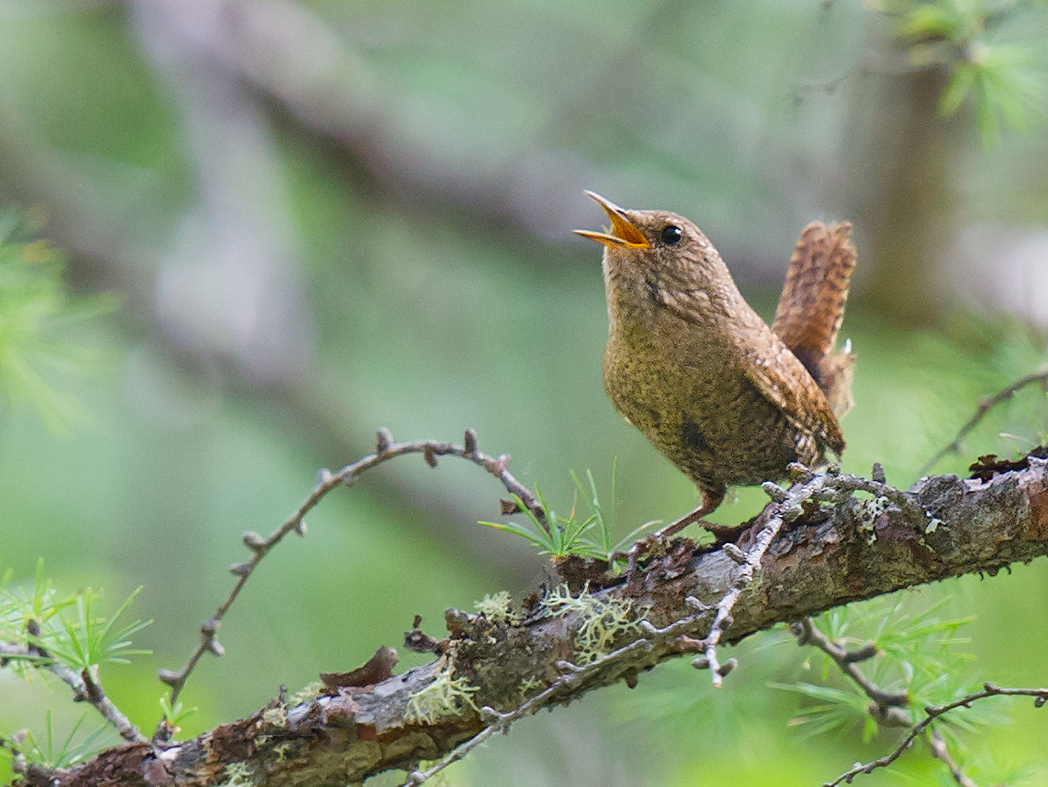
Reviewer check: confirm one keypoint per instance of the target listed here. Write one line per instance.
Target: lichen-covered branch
(854, 539)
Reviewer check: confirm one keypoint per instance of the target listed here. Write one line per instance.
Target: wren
(724, 396)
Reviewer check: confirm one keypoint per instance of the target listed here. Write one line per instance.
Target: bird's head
(655, 250)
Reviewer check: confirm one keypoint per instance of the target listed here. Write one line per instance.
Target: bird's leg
(709, 504)
(711, 500)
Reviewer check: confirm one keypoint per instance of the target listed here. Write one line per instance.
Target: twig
(385, 449)
(933, 712)
(808, 634)
(85, 685)
(984, 407)
(786, 507)
(941, 752)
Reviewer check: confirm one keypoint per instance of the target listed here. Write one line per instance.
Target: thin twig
(931, 714)
(984, 407)
(85, 685)
(941, 752)
(786, 507)
(385, 450)
(808, 634)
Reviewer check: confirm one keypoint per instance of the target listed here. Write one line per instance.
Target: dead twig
(985, 406)
(385, 450)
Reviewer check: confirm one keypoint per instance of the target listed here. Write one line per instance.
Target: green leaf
(41, 348)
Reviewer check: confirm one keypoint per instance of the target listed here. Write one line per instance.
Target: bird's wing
(783, 380)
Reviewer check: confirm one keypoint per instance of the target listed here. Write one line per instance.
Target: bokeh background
(319, 218)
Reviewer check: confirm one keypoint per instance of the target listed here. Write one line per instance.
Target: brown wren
(726, 398)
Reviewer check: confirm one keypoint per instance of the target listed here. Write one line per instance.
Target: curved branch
(385, 449)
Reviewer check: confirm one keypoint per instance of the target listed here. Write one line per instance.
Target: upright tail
(811, 308)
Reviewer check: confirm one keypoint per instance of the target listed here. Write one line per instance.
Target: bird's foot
(658, 542)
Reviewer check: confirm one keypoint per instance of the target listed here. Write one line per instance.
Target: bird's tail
(811, 308)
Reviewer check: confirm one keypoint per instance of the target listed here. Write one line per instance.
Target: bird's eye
(671, 235)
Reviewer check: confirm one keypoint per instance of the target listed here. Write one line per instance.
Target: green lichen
(445, 697)
(307, 693)
(275, 716)
(496, 607)
(868, 512)
(603, 621)
(238, 774)
(530, 684)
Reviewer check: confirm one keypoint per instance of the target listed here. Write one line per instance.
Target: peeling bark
(856, 548)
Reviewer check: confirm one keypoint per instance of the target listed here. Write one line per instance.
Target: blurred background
(313, 219)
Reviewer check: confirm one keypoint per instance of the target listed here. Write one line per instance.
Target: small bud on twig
(727, 666)
(254, 541)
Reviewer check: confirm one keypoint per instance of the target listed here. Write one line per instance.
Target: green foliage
(68, 628)
(1005, 82)
(585, 534)
(175, 714)
(918, 654)
(71, 751)
(1003, 85)
(69, 631)
(38, 359)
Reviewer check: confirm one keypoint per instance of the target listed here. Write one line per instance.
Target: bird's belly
(713, 424)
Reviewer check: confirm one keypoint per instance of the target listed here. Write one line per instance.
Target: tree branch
(931, 714)
(840, 548)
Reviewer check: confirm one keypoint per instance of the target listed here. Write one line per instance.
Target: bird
(728, 399)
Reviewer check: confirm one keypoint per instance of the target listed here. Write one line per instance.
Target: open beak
(622, 233)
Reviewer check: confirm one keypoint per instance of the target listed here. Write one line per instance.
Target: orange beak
(622, 233)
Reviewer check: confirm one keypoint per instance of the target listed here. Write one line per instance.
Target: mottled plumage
(694, 368)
